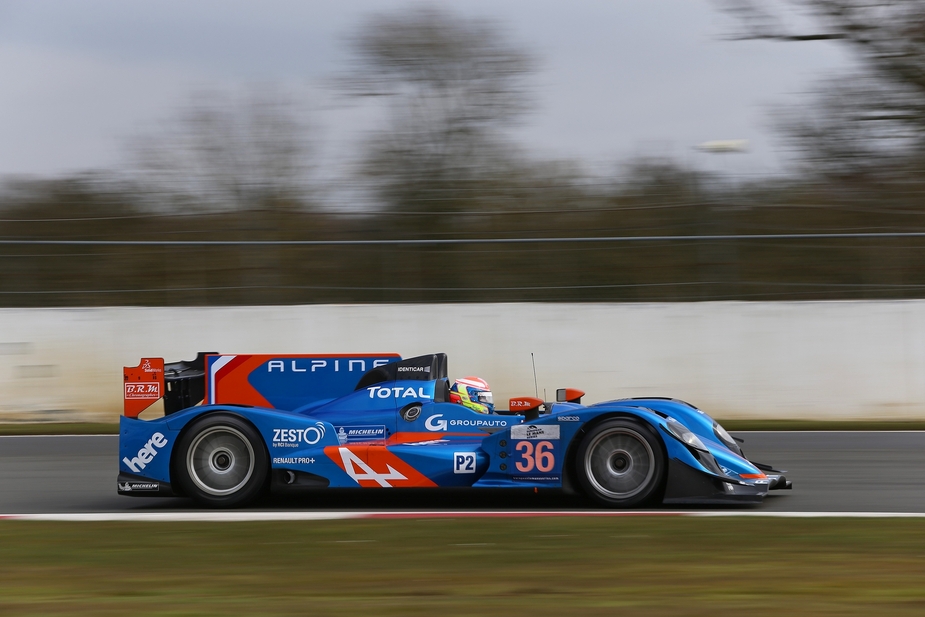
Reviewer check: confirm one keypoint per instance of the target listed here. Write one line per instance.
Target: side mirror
(569, 395)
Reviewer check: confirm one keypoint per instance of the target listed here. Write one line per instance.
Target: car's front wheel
(620, 463)
(222, 461)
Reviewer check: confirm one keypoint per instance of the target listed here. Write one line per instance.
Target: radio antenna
(536, 388)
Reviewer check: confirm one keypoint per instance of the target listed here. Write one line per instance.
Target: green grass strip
(535, 567)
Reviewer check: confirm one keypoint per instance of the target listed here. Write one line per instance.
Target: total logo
(294, 437)
(435, 423)
(397, 392)
(146, 454)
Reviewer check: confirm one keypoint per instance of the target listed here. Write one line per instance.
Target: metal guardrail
(445, 241)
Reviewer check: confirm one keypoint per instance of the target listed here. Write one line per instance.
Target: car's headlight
(684, 434)
(726, 438)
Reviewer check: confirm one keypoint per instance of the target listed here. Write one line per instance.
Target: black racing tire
(621, 463)
(222, 462)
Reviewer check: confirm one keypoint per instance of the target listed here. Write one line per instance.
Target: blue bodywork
(399, 433)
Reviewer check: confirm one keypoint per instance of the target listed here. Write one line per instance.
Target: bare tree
(862, 119)
(226, 152)
(452, 85)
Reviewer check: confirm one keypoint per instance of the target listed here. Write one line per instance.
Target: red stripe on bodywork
(411, 437)
(489, 514)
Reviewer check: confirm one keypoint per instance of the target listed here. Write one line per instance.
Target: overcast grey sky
(617, 78)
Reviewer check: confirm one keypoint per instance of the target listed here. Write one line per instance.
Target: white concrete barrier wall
(825, 360)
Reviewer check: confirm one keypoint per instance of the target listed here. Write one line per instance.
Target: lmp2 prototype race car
(280, 422)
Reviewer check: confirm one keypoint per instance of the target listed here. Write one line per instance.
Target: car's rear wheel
(222, 461)
(620, 463)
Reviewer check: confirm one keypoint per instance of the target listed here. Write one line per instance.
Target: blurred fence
(202, 263)
(818, 360)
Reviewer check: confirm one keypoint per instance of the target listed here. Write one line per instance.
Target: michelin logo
(355, 434)
(128, 487)
(434, 423)
(146, 454)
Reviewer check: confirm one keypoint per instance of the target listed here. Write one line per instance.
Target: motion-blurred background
(132, 135)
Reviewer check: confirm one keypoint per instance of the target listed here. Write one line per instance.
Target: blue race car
(277, 422)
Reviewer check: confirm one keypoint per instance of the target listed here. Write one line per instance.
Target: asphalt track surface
(832, 471)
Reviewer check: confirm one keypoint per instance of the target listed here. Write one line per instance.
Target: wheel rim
(220, 460)
(619, 463)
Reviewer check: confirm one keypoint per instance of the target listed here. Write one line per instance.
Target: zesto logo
(146, 454)
(294, 437)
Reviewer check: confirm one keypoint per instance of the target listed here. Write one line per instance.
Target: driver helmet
(473, 393)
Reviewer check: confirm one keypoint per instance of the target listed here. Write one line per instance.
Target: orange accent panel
(525, 403)
(573, 395)
(232, 386)
(412, 437)
(143, 385)
(380, 456)
(382, 468)
(752, 476)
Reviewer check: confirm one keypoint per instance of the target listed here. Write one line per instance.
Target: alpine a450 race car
(236, 426)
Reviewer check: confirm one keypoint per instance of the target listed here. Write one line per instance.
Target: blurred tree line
(443, 167)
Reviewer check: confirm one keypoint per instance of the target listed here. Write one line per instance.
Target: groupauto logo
(434, 424)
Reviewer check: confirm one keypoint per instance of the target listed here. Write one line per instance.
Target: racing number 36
(542, 457)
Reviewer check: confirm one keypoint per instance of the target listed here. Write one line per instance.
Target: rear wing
(180, 384)
(278, 381)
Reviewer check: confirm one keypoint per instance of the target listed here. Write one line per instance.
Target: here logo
(146, 454)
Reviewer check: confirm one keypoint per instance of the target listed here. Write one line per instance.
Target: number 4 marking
(357, 469)
(542, 457)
